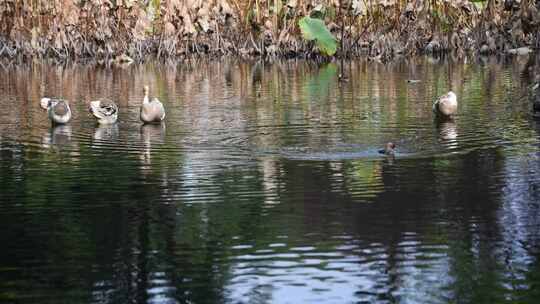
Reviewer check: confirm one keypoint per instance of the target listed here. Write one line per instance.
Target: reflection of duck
(58, 111)
(446, 105)
(389, 149)
(151, 133)
(152, 111)
(448, 132)
(106, 132)
(105, 110)
(59, 135)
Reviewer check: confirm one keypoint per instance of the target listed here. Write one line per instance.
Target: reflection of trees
(184, 215)
(438, 225)
(519, 218)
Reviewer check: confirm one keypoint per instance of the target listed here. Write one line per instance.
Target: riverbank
(125, 30)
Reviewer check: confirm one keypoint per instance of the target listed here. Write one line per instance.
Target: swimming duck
(152, 111)
(58, 110)
(389, 149)
(446, 105)
(105, 110)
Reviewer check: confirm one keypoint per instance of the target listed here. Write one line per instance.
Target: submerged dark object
(389, 149)
(536, 107)
(511, 5)
(536, 100)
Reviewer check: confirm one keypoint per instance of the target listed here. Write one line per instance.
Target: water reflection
(106, 133)
(151, 134)
(58, 135)
(448, 133)
(266, 185)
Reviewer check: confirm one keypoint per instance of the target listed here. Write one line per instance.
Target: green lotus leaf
(315, 29)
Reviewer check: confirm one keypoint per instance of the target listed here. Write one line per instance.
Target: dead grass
(105, 29)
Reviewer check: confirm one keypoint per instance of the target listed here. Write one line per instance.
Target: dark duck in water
(389, 149)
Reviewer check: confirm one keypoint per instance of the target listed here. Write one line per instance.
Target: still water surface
(264, 185)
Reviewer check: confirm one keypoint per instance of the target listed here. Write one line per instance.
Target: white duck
(152, 111)
(446, 105)
(58, 110)
(105, 110)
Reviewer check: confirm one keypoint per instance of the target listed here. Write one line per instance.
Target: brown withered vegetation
(125, 29)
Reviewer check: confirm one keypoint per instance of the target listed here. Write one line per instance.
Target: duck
(105, 110)
(389, 149)
(58, 110)
(446, 105)
(152, 111)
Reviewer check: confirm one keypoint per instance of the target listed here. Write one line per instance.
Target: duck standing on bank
(105, 110)
(58, 110)
(446, 105)
(152, 111)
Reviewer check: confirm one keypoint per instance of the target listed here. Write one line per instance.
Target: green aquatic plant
(315, 29)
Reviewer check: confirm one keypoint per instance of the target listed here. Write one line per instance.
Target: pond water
(264, 185)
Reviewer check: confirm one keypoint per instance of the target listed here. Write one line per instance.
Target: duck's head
(451, 96)
(44, 103)
(145, 90)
